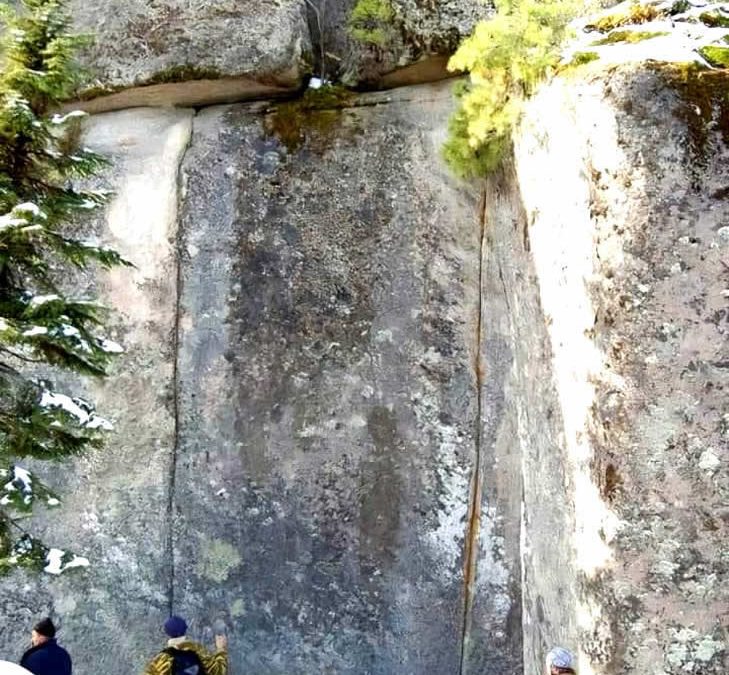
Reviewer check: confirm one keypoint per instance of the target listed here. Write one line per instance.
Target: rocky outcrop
(234, 50)
(378, 421)
(304, 435)
(624, 464)
(172, 53)
(329, 399)
(413, 40)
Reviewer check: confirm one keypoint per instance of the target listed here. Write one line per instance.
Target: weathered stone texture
(629, 245)
(328, 395)
(526, 504)
(115, 502)
(417, 32)
(137, 42)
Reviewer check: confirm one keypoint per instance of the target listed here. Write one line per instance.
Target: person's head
(43, 631)
(561, 660)
(175, 627)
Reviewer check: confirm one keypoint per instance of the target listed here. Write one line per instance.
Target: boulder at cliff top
(412, 45)
(263, 43)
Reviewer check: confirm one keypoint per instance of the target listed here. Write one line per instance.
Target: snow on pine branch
(22, 216)
(59, 561)
(20, 490)
(82, 411)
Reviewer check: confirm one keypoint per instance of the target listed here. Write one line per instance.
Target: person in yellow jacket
(185, 657)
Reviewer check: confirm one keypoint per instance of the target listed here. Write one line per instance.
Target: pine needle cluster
(505, 57)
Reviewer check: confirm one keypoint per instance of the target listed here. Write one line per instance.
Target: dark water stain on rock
(313, 119)
(380, 490)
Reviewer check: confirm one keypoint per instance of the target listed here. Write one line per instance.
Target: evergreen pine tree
(42, 325)
(506, 57)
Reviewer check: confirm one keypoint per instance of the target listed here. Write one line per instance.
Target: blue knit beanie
(175, 626)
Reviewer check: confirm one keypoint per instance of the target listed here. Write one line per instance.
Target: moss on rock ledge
(716, 55)
(705, 94)
(628, 36)
(316, 113)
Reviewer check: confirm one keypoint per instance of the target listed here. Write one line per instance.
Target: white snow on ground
(685, 35)
(55, 565)
(7, 668)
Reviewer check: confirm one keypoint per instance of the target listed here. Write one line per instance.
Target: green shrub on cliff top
(371, 22)
(506, 57)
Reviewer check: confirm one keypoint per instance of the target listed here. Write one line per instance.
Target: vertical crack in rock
(473, 524)
(172, 477)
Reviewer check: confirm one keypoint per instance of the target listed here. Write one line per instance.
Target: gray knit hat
(559, 657)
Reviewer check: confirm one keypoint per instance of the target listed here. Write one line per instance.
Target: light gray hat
(559, 657)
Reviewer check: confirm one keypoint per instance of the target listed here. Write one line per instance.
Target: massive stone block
(412, 46)
(328, 390)
(622, 179)
(228, 50)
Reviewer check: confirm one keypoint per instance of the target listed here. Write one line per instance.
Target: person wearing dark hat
(185, 657)
(46, 656)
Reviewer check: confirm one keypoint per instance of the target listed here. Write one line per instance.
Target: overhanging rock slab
(140, 43)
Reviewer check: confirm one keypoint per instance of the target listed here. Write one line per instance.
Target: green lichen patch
(716, 55)
(583, 58)
(371, 22)
(315, 115)
(182, 73)
(628, 36)
(635, 14)
(217, 559)
(237, 608)
(714, 20)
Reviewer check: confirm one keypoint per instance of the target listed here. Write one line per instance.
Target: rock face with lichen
(328, 399)
(379, 421)
(627, 246)
(385, 43)
(263, 44)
